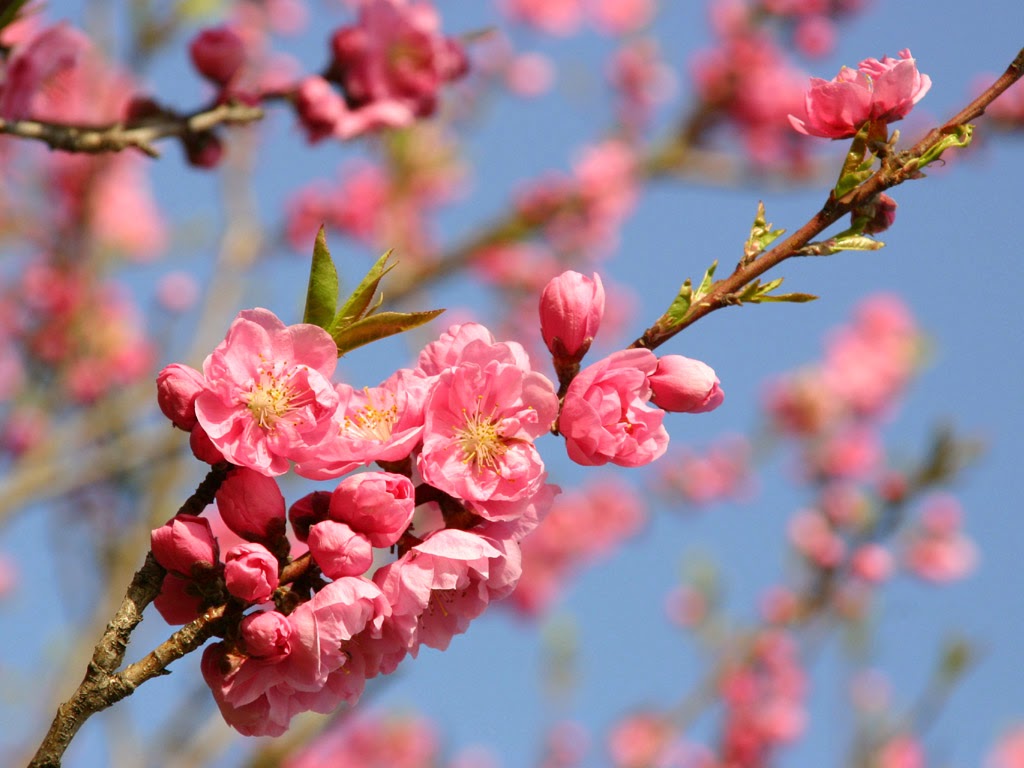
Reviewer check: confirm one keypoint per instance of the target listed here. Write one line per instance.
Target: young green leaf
(379, 326)
(761, 236)
(857, 164)
(356, 304)
(322, 293)
(680, 304)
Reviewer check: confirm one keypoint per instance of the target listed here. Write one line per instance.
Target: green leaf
(761, 235)
(680, 304)
(792, 298)
(356, 304)
(841, 242)
(705, 283)
(961, 138)
(322, 293)
(379, 326)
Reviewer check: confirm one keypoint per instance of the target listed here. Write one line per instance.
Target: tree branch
(904, 166)
(102, 685)
(118, 136)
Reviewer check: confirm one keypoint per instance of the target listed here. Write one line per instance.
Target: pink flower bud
(250, 572)
(377, 504)
(217, 53)
(319, 107)
(683, 385)
(251, 505)
(571, 308)
(178, 601)
(203, 149)
(202, 446)
(837, 108)
(307, 511)
(880, 212)
(267, 635)
(177, 387)
(872, 562)
(338, 550)
(185, 545)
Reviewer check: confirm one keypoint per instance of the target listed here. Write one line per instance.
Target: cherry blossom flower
(605, 417)
(683, 385)
(482, 417)
(308, 668)
(269, 397)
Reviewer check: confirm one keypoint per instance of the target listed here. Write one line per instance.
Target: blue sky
(954, 255)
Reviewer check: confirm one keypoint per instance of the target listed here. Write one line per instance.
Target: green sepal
(961, 138)
(322, 293)
(857, 164)
(379, 326)
(356, 305)
(761, 236)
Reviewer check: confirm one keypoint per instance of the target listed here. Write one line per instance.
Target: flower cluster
(456, 437)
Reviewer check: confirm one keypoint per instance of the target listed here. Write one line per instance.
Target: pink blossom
(556, 17)
(177, 291)
(179, 601)
(177, 387)
(185, 545)
(639, 740)
(482, 417)
(448, 350)
(883, 91)
(605, 416)
(250, 572)
(202, 447)
(395, 58)
(217, 54)
(1009, 750)
(382, 423)
(251, 505)
(267, 635)
(530, 74)
(683, 385)
(896, 86)
(259, 696)
(815, 539)
(815, 35)
(364, 739)
(308, 511)
(938, 550)
(377, 504)
(619, 17)
(339, 550)
(442, 584)
(320, 108)
(269, 397)
(571, 308)
(872, 562)
(837, 108)
(902, 751)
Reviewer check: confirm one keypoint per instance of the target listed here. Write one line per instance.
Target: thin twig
(118, 136)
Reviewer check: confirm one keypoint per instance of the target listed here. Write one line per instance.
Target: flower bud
(307, 511)
(571, 308)
(319, 107)
(177, 387)
(202, 446)
(185, 545)
(338, 550)
(267, 635)
(250, 572)
(685, 386)
(178, 601)
(217, 53)
(251, 505)
(880, 214)
(377, 504)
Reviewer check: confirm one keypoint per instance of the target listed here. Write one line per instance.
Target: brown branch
(102, 685)
(118, 136)
(896, 170)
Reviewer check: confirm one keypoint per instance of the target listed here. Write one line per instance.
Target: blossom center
(271, 398)
(481, 440)
(372, 422)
